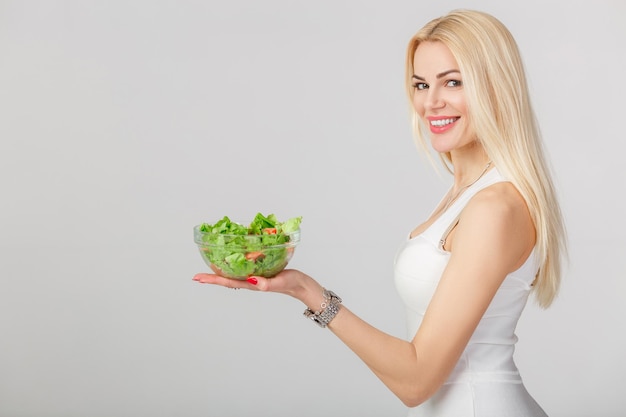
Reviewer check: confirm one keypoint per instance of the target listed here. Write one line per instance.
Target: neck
(468, 162)
(470, 172)
(457, 190)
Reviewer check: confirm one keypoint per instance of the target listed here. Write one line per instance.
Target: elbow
(416, 391)
(418, 383)
(412, 401)
(414, 396)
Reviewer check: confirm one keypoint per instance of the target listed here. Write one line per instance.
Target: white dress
(485, 382)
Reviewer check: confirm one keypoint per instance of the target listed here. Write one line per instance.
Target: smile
(443, 122)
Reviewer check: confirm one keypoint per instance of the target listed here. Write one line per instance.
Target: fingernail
(252, 280)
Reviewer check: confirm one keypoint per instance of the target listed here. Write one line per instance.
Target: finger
(205, 278)
(215, 279)
(259, 283)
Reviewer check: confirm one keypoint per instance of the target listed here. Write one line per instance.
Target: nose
(434, 100)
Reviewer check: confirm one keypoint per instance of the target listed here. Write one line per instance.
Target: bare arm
(493, 237)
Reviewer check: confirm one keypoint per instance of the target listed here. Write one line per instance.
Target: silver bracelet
(329, 309)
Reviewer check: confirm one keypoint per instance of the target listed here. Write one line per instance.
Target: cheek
(458, 102)
(418, 105)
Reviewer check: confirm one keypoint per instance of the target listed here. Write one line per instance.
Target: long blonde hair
(500, 112)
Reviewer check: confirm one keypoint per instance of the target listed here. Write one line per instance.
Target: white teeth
(443, 122)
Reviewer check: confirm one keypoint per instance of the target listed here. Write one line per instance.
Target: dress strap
(451, 226)
(491, 177)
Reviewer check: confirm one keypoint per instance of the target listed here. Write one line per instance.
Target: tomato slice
(253, 256)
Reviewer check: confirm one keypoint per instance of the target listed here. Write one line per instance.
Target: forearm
(394, 361)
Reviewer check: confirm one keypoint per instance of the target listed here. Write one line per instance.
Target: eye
(420, 86)
(454, 83)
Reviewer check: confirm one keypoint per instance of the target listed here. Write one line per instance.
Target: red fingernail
(252, 280)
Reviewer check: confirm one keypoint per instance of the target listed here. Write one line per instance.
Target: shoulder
(497, 201)
(497, 221)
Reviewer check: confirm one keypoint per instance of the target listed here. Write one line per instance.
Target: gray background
(125, 123)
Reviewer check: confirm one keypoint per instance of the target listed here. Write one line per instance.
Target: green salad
(262, 248)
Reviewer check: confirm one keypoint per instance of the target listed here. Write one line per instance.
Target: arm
(493, 238)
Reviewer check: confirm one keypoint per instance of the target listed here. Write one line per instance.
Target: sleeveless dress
(485, 381)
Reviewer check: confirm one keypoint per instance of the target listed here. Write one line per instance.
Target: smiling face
(439, 98)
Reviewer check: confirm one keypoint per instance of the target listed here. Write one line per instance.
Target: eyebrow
(440, 75)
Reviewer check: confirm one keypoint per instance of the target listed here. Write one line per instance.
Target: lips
(441, 124)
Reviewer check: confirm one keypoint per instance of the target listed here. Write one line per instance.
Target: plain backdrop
(125, 123)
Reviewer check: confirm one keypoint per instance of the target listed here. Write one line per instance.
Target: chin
(440, 147)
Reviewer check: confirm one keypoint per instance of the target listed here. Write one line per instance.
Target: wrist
(308, 291)
(322, 305)
(327, 311)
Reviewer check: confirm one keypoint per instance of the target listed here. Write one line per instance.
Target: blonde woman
(465, 274)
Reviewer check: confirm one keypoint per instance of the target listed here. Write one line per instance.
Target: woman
(466, 272)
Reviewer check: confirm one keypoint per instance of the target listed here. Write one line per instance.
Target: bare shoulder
(498, 219)
(500, 199)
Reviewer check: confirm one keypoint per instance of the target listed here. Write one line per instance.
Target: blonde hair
(500, 112)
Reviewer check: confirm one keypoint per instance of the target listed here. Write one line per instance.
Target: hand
(290, 281)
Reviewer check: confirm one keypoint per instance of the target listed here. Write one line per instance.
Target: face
(439, 99)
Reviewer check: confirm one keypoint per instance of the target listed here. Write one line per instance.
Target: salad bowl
(264, 248)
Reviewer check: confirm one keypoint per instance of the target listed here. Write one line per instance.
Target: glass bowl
(242, 256)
